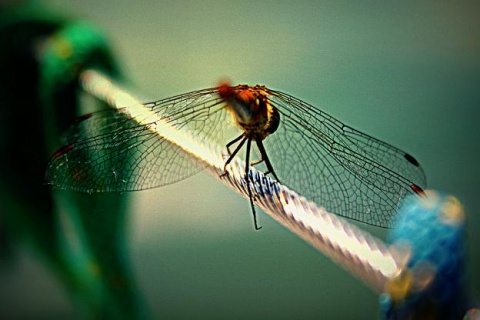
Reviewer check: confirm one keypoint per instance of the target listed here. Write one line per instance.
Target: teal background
(407, 73)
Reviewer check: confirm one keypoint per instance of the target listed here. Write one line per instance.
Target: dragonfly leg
(254, 212)
(264, 155)
(233, 142)
(232, 154)
(248, 179)
(254, 163)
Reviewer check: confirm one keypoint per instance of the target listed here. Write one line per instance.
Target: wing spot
(411, 159)
(418, 190)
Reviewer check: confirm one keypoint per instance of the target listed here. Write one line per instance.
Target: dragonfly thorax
(251, 110)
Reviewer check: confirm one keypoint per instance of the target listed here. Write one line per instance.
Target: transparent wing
(348, 172)
(338, 167)
(107, 151)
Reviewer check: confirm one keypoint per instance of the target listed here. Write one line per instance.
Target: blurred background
(407, 73)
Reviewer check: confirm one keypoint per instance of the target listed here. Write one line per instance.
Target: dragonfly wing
(108, 151)
(398, 162)
(340, 168)
(200, 113)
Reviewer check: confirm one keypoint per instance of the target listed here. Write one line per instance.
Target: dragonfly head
(250, 109)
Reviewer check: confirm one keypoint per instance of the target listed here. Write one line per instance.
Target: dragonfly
(350, 173)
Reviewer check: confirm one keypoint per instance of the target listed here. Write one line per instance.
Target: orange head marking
(246, 96)
(241, 93)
